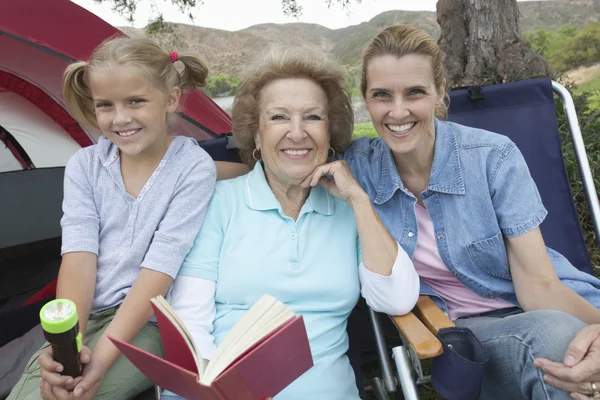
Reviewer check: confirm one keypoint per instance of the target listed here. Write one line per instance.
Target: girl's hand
(94, 372)
(341, 184)
(50, 369)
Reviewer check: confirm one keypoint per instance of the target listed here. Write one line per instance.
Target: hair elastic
(174, 56)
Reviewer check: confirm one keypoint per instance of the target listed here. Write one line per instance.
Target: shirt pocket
(489, 255)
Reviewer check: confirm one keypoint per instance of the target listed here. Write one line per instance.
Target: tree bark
(483, 43)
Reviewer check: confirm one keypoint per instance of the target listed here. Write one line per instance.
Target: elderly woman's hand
(580, 372)
(341, 184)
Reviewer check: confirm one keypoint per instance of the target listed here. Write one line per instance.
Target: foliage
(592, 88)
(127, 8)
(293, 9)
(548, 43)
(581, 49)
(222, 85)
(589, 121)
(364, 129)
(567, 47)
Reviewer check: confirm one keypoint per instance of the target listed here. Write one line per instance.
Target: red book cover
(263, 371)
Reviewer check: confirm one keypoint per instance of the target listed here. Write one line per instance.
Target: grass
(364, 129)
(592, 86)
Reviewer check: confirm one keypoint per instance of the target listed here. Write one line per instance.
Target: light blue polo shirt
(250, 248)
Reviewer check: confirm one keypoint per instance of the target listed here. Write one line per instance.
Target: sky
(234, 15)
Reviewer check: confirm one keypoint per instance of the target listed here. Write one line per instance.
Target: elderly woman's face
(293, 129)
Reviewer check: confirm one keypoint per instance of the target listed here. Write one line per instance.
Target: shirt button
(294, 266)
(491, 295)
(411, 234)
(440, 236)
(293, 236)
(455, 273)
(121, 254)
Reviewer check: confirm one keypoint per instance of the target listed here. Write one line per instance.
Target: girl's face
(130, 111)
(402, 98)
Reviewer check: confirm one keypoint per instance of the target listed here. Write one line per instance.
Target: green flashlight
(61, 329)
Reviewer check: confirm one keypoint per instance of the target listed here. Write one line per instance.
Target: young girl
(133, 205)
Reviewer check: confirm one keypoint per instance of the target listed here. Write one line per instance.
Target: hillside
(230, 52)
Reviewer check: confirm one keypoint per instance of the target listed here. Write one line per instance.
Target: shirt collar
(259, 196)
(446, 173)
(109, 152)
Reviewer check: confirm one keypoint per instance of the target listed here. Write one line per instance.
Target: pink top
(433, 272)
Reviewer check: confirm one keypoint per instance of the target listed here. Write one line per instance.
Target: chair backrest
(525, 112)
(30, 205)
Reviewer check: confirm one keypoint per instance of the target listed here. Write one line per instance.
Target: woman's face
(401, 98)
(293, 127)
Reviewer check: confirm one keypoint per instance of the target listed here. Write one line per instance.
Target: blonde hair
(292, 63)
(401, 40)
(154, 62)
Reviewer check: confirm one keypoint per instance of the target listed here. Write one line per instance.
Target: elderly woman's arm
(193, 299)
(389, 281)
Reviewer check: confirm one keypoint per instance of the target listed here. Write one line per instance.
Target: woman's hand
(581, 367)
(341, 184)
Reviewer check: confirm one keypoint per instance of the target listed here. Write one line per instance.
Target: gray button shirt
(155, 230)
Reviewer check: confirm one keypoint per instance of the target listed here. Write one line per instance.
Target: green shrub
(589, 122)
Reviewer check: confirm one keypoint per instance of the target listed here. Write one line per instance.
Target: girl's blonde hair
(401, 40)
(154, 62)
(292, 63)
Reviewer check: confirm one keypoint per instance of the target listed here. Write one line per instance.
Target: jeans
(513, 339)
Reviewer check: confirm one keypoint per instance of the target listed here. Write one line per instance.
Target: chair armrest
(416, 334)
(420, 327)
(431, 315)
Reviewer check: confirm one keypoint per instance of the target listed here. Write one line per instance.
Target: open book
(264, 352)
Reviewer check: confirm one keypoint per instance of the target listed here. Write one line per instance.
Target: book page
(265, 316)
(165, 307)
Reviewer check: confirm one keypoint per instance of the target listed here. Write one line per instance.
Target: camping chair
(525, 112)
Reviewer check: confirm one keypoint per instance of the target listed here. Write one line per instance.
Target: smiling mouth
(296, 152)
(128, 133)
(401, 130)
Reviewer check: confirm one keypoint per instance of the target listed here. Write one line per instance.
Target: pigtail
(77, 95)
(193, 76)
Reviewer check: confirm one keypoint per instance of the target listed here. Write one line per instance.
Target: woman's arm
(230, 170)
(536, 284)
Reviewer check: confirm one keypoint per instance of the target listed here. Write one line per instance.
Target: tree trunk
(483, 44)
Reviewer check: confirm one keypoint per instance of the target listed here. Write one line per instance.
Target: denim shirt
(480, 191)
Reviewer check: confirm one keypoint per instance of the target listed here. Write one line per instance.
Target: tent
(38, 39)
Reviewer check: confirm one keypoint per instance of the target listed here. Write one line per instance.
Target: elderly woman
(294, 227)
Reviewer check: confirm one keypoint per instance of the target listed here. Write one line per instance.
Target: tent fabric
(8, 161)
(36, 132)
(25, 32)
(44, 102)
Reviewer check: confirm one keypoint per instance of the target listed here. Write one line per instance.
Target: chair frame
(407, 357)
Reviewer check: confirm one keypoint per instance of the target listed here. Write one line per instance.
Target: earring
(254, 155)
(333, 150)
